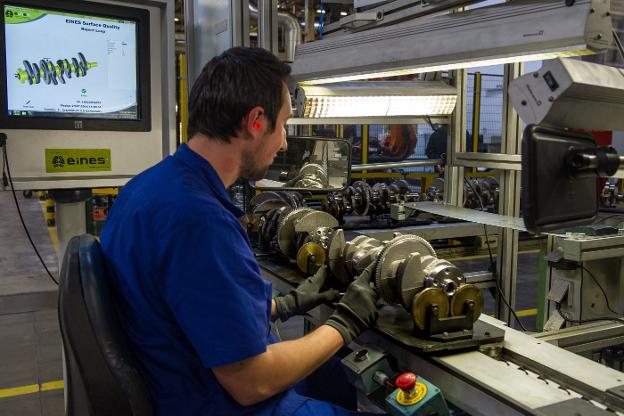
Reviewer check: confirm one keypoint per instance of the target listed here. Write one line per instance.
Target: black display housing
(553, 195)
(144, 120)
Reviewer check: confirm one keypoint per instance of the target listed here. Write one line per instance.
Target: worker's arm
(285, 363)
(279, 367)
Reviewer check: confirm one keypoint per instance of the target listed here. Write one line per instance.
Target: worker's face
(258, 158)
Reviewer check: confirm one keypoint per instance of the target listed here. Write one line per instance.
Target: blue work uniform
(190, 294)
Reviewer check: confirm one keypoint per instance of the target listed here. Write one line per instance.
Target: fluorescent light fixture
(571, 93)
(344, 13)
(375, 99)
(519, 31)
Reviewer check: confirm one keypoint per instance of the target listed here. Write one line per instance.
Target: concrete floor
(30, 351)
(30, 346)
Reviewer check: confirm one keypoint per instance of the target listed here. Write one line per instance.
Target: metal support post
(456, 143)
(309, 20)
(240, 23)
(70, 216)
(212, 27)
(364, 145)
(509, 205)
(267, 25)
(476, 114)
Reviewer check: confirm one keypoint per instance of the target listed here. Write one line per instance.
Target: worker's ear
(255, 123)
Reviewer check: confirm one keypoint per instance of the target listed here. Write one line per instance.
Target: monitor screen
(82, 64)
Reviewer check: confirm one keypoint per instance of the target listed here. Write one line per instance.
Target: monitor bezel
(144, 121)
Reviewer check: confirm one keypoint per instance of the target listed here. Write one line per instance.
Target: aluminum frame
(516, 31)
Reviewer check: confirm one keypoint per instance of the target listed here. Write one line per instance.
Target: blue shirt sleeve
(213, 286)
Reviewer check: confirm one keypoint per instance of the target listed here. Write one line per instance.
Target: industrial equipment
(408, 272)
(517, 31)
(362, 199)
(310, 164)
(570, 93)
(97, 108)
(559, 166)
(479, 193)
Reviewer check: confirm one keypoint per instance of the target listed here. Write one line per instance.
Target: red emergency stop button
(410, 391)
(406, 381)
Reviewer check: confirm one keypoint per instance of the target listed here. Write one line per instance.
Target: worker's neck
(225, 158)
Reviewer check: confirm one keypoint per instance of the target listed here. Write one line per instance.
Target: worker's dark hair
(230, 85)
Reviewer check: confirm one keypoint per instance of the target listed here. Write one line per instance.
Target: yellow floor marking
(527, 312)
(31, 388)
(18, 391)
(52, 385)
(54, 238)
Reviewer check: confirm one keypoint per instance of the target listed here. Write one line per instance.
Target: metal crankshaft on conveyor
(364, 199)
(407, 271)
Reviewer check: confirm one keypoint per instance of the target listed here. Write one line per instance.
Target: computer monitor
(74, 65)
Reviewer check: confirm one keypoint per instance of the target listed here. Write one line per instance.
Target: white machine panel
(97, 149)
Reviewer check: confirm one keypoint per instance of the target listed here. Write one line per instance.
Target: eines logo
(58, 161)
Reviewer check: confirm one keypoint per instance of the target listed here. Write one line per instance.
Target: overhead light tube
(375, 99)
(518, 31)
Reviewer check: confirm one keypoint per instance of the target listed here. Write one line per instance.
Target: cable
(597, 319)
(492, 264)
(618, 43)
(585, 321)
(428, 119)
(19, 212)
(487, 238)
(599, 287)
(321, 22)
(603, 219)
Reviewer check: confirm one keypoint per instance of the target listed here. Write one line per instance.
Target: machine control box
(362, 365)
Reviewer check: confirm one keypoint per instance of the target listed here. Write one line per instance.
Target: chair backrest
(101, 374)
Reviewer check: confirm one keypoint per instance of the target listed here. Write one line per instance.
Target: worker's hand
(306, 296)
(293, 181)
(357, 310)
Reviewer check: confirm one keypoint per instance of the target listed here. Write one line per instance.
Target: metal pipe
(292, 35)
(292, 32)
(267, 27)
(405, 164)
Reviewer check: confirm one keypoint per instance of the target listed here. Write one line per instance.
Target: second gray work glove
(306, 296)
(357, 310)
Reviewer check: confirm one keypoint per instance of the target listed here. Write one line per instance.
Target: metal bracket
(555, 322)
(448, 329)
(361, 17)
(559, 291)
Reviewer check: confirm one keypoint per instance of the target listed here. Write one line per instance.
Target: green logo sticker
(77, 160)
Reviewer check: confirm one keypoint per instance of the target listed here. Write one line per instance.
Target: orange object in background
(400, 141)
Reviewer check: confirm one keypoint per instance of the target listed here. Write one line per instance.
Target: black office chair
(101, 376)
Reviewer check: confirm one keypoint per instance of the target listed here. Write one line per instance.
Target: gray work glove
(357, 310)
(306, 296)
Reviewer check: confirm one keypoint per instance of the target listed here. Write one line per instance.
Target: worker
(189, 291)
(436, 147)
